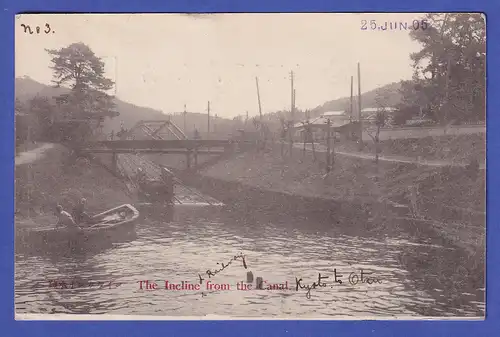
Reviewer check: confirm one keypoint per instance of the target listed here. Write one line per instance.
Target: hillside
(26, 88)
(390, 92)
(368, 99)
(130, 114)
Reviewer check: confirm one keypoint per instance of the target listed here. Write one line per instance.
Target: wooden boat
(116, 218)
(107, 225)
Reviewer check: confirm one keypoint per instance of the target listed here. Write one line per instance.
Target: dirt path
(393, 159)
(32, 155)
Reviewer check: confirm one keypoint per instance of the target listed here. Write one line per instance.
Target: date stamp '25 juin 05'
(394, 25)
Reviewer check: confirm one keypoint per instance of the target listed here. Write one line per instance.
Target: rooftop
(334, 113)
(372, 110)
(323, 121)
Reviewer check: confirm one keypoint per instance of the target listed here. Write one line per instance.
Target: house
(370, 114)
(341, 123)
(344, 125)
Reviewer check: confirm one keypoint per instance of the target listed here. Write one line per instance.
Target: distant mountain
(368, 100)
(130, 114)
(390, 92)
(26, 88)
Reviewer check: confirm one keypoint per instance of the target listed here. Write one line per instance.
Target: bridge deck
(191, 148)
(148, 144)
(148, 151)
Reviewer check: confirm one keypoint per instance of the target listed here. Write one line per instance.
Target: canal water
(402, 276)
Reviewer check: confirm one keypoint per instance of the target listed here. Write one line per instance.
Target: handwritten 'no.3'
(28, 30)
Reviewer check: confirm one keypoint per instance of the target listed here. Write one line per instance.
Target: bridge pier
(196, 157)
(188, 159)
(188, 147)
(114, 162)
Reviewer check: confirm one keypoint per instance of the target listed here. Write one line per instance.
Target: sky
(166, 61)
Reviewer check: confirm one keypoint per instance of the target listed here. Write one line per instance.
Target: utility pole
(328, 144)
(294, 96)
(185, 113)
(447, 89)
(258, 99)
(444, 106)
(292, 114)
(208, 120)
(359, 107)
(292, 105)
(350, 109)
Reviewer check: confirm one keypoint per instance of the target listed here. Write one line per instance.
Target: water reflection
(419, 277)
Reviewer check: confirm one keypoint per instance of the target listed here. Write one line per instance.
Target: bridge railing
(189, 144)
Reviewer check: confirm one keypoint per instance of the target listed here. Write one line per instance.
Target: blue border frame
(9, 9)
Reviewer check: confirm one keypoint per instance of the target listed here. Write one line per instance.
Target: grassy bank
(447, 199)
(454, 148)
(53, 179)
(351, 178)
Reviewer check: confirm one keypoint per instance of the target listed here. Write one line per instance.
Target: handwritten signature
(353, 279)
(211, 273)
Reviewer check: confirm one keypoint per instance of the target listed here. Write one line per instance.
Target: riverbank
(456, 149)
(448, 200)
(52, 179)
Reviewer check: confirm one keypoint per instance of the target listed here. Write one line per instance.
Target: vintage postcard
(250, 166)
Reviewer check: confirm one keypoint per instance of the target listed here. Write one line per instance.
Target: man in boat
(65, 219)
(79, 214)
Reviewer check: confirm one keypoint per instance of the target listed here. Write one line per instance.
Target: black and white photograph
(295, 166)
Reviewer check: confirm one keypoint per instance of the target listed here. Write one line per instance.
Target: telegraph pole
(447, 93)
(258, 99)
(292, 105)
(359, 107)
(350, 110)
(292, 113)
(185, 113)
(294, 96)
(208, 120)
(444, 107)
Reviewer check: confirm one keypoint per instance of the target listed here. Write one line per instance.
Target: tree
(264, 132)
(283, 133)
(79, 68)
(308, 138)
(450, 67)
(18, 106)
(43, 113)
(21, 122)
(380, 121)
(238, 123)
(418, 97)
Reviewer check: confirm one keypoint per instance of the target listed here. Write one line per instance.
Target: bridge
(160, 146)
(155, 143)
(153, 129)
